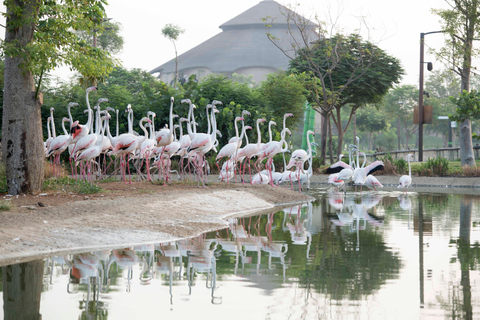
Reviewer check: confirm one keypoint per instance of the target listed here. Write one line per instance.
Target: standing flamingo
(229, 149)
(200, 145)
(406, 181)
(58, 145)
(80, 130)
(249, 150)
(360, 173)
(299, 157)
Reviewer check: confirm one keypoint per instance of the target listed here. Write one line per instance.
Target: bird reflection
(406, 204)
(354, 211)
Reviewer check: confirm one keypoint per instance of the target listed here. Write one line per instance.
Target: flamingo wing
(374, 166)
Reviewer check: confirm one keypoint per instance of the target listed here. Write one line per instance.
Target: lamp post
(420, 94)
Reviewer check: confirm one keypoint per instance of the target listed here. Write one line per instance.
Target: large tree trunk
(466, 144)
(22, 135)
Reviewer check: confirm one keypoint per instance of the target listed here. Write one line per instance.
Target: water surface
(381, 255)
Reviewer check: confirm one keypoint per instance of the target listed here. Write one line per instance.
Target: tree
(399, 104)
(461, 23)
(40, 36)
(333, 64)
(172, 32)
(107, 36)
(346, 70)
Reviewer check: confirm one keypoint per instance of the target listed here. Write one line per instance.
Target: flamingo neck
(409, 168)
(259, 134)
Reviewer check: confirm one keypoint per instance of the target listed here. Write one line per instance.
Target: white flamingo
(406, 181)
(249, 150)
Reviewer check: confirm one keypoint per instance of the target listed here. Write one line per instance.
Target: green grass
(71, 185)
(5, 205)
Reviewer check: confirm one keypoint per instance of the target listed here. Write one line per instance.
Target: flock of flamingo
(87, 142)
(341, 173)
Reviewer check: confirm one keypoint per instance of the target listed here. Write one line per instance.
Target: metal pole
(420, 101)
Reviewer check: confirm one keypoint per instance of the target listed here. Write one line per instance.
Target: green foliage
(55, 41)
(172, 32)
(67, 184)
(468, 106)
(434, 167)
(401, 166)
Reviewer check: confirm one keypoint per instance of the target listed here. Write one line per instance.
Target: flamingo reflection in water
(406, 204)
(299, 225)
(356, 215)
(126, 259)
(202, 259)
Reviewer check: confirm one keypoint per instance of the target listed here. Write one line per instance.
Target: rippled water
(383, 255)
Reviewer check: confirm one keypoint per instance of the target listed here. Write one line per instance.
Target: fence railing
(447, 153)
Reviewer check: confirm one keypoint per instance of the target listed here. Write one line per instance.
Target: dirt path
(125, 215)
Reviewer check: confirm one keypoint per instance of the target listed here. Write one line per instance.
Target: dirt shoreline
(53, 223)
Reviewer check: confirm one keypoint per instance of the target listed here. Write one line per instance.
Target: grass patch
(67, 184)
(5, 205)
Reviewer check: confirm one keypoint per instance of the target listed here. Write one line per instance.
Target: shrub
(389, 165)
(434, 167)
(468, 171)
(401, 166)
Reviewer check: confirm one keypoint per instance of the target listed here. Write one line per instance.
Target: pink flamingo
(298, 159)
(229, 149)
(59, 145)
(80, 130)
(249, 150)
(201, 144)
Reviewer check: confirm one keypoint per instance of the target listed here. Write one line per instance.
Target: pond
(375, 255)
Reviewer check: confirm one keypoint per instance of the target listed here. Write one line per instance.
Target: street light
(421, 93)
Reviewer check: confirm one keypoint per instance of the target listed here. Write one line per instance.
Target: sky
(395, 27)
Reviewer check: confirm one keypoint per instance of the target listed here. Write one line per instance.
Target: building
(242, 47)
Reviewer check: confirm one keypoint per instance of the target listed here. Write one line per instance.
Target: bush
(402, 166)
(389, 165)
(434, 167)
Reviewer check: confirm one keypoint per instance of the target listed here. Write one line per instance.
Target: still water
(382, 255)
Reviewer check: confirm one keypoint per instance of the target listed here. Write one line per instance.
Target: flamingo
(229, 149)
(337, 166)
(274, 148)
(335, 181)
(148, 144)
(79, 130)
(299, 157)
(360, 173)
(237, 138)
(250, 149)
(406, 181)
(92, 152)
(164, 137)
(89, 139)
(59, 145)
(49, 138)
(372, 182)
(201, 144)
